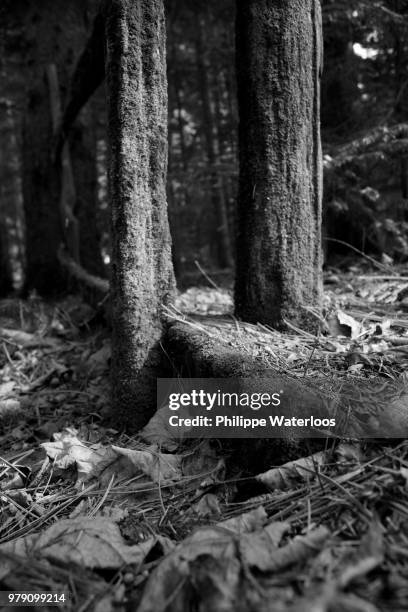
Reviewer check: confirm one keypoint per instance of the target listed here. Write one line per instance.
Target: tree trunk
(142, 274)
(83, 155)
(11, 238)
(174, 207)
(223, 243)
(279, 59)
(43, 233)
(6, 282)
(225, 156)
(55, 30)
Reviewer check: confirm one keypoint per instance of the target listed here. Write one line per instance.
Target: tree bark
(279, 59)
(142, 274)
(6, 282)
(83, 157)
(11, 238)
(88, 75)
(222, 238)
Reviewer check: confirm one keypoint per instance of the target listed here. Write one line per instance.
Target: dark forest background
(364, 92)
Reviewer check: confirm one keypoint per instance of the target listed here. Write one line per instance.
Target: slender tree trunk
(225, 156)
(400, 104)
(83, 155)
(6, 282)
(404, 177)
(43, 234)
(177, 90)
(55, 31)
(223, 242)
(15, 196)
(11, 217)
(173, 206)
(279, 58)
(142, 274)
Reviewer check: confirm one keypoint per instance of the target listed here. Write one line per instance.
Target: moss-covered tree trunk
(142, 274)
(279, 59)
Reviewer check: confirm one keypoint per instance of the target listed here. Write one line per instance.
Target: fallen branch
(100, 285)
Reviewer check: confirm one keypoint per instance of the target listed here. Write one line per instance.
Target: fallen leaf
(349, 454)
(67, 451)
(342, 324)
(6, 388)
(298, 550)
(216, 584)
(249, 521)
(208, 506)
(158, 466)
(303, 469)
(94, 543)
(369, 555)
(159, 431)
(214, 547)
(257, 549)
(98, 362)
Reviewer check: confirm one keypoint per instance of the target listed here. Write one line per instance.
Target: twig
(382, 277)
(204, 273)
(350, 246)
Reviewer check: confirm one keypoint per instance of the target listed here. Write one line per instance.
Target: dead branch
(100, 285)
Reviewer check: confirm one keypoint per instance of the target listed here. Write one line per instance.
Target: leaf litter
(153, 523)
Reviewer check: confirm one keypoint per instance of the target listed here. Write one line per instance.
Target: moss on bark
(279, 51)
(142, 274)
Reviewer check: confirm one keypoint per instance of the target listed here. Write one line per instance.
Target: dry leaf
(6, 388)
(369, 555)
(342, 324)
(217, 585)
(214, 547)
(158, 466)
(303, 469)
(349, 454)
(68, 450)
(158, 431)
(249, 521)
(98, 362)
(208, 506)
(346, 321)
(88, 542)
(298, 550)
(257, 549)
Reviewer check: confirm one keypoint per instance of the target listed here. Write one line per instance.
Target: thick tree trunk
(279, 58)
(55, 30)
(142, 274)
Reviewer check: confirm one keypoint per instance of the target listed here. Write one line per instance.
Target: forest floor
(119, 522)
